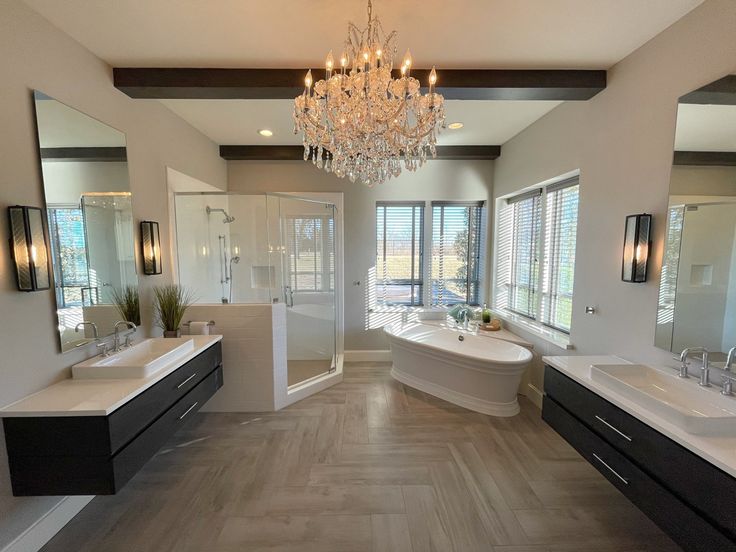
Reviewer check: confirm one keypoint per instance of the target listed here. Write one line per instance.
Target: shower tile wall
(249, 241)
(200, 262)
(197, 245)
(253, 355)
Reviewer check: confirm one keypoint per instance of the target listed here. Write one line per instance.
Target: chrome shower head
(227, 220)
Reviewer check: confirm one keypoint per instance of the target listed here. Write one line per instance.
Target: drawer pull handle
(188, 410)
(190, 378)
(604, 422)
(614, 472)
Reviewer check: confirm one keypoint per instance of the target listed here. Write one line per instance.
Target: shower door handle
(288, 296)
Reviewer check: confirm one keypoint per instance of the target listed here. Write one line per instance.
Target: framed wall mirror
(90, 221)
(697, 296)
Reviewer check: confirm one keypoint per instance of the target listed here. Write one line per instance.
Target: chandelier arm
(413, 135)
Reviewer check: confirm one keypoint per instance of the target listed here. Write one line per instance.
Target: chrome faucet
(704, 370)
(116, 338)
(95, 333)
(464, 317)
(101, 345)
(728, 378)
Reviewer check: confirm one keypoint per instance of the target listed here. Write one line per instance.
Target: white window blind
(456, 252)
(310, 255)
(561, 224)
(518, 251)
(399, 253)
(670, 264)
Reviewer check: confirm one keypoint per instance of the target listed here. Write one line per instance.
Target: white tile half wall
(253, 355)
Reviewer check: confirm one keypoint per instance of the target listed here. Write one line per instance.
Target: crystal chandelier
(360, 122)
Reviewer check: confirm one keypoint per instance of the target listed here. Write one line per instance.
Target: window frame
(474, 280)
(544, 191)
(425, 243)
(414, 280)
(61, 282)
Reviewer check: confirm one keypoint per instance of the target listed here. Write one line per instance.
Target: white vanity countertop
(719, 451)
(96, 397)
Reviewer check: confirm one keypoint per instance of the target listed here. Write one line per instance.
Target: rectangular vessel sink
(694, 409)
(138, 361)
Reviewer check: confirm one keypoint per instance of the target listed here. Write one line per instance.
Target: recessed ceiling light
(266, 132)
(455, 126)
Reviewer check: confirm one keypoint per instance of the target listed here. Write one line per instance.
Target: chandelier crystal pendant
(360, 122)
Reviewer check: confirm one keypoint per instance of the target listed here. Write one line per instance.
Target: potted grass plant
(170, 302)
(127, 302)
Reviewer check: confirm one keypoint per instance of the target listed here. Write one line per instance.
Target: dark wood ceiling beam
(705, 158)
(720, 92)
(86, 154)
(280, 84)
(296, 153)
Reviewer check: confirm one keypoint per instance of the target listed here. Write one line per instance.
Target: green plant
(128, 304)
(170, 303)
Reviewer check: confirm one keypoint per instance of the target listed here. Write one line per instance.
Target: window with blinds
(561, 225)
(456, 252)
(518, 253)
(310, 253)
(399, 253)
(69, 251)
(670, 265)
(535, 254)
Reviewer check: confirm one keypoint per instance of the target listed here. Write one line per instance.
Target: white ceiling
(238, 121)
(706, 128)
(298, 33)
(519, 34)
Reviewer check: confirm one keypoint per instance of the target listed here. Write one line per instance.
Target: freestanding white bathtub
(476, 372)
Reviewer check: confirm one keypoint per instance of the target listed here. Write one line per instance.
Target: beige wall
(622, 142)
(703, 181)
(36, 55)
(438, 180)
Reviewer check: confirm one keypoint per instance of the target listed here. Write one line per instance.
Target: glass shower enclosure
(266, 248)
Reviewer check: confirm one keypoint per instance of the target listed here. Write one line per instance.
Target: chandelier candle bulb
(432, 80)
(329, 63)
(407, 62)
(308, 85)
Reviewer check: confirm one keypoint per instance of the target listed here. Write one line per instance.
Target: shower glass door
(306, 256)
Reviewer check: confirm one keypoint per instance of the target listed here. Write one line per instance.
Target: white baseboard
(368, 356)
(43, 529)
(534, 394)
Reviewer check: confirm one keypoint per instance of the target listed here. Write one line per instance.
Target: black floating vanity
(67, 454)
(692, 500)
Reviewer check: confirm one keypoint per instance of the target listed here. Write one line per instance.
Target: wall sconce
(636, 248)
(150, 247)
(28, 248)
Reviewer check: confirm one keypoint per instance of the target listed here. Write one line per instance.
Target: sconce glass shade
(636, 248)
(28, 248)
(150, 247)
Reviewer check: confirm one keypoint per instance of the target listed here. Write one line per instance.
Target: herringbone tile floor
(369, 464)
